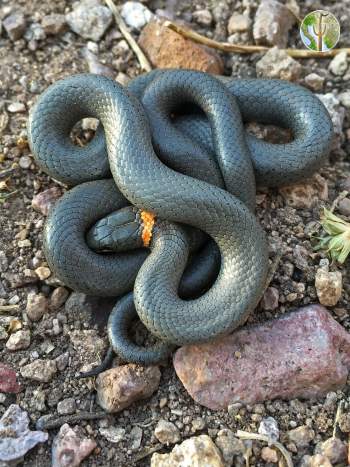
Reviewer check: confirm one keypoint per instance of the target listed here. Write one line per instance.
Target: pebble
(272, 22)
(269, 455)
(89, 19)
(344, 99)
(66, 406)
(8, 380)
(344, 422)
(121, 386)
(269, 427)
(40, 370)
(167, 433)
(319, 461)
(19, 340)
(277, 63)
(270, 299)
(37, 306)
(285, 374)
(238, 23)
(156, 40)
(230, 446)
(344, 207)
(135, 438)
(301, 436)
(196, 451)
(328, 286)
(314, 81)
(16, 107)
(62, 361)
(203, 17)
(70, 448)
(43, 272)
(16, 437)
(306, 194)
(113, 434)
(15, 25)
(25, 162)
(58, 298)
(136, 15)
(53, 24)
(95, 66)
(42, 202)
(339, 64)
(334, 449)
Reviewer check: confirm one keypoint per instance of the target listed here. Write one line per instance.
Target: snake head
(122, 230)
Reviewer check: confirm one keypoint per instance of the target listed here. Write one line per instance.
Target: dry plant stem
(246, 435)
(5, 308)
(337, 417)
(248, 49)
(52, 423)
(145, 64)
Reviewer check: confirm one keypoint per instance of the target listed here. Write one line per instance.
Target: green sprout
(337, 242)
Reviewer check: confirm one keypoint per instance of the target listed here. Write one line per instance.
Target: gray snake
(175, 144)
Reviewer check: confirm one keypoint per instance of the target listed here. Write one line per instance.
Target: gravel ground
(26, 69)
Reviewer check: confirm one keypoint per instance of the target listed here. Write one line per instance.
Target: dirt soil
(24, 74)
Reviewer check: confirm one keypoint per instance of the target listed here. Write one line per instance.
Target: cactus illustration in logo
(320, 31)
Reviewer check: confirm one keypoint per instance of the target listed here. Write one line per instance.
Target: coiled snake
(179, 154)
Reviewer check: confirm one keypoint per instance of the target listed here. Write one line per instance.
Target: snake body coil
(176, 146)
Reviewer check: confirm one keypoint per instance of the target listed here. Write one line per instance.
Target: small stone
(16, 107)
(305, 195)
(334, 449)
(285, 374)
(8, 380)
(344, 422)
(339, 64)
(58, 298)
(62, 361)
(122, 78)
(43, 272)
(113, 434)
(272, 22)
(37, 306)
(69, 447)
(167, 433)
(328, 286)
(121, 386)
(42, 371)
(25, 162)
(269, 427)
(277, 63)
(42, 202)
(233, 409)
(344, 207)
(196, 451)
(3, 334)
(66, 406)
(202, 17)
(90, 19)
(270, 299)
(156, 40)
(269, 455)
(301, 436)
(238, 23)
(95, 66)
(53, 24)
(24, 243)
(19, 340)
(135, 14)
(135, 438)
(198, 424)
(16, 437)
(344, 99)
(15, 25)
(230, 446)
(319, 461)
(314, 81)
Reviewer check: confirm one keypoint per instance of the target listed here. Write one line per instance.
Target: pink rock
(8, 380)
(303, 354)
(70, 448)
(42, 202)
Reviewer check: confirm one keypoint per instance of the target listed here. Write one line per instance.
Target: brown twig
(51, 423)
(145, 64)
(269, 441)
(247, 49)
(337, 417)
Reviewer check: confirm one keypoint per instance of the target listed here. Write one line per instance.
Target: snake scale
(173, 169)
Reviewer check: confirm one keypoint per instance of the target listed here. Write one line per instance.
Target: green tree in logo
(320, 31)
